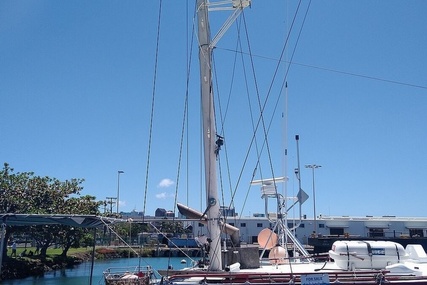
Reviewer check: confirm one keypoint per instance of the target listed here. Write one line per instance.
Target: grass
(55, 252)
(50, 251)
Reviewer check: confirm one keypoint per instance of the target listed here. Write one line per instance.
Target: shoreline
(23, 267)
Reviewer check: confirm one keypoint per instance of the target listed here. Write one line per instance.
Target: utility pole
(110, 200)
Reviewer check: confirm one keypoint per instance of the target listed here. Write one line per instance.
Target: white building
(388, 227)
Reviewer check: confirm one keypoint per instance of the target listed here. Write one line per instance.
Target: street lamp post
(313, 167)
(118, 189)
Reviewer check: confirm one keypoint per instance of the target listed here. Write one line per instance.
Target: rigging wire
(284, 85)
(252, 121)
(284, 81)
(361, 75)
(322, 68)
(138, 254)
(152, 106)
(222, 131)
(187, 121)
(291, 62)
(263, 106)
(184, 125)
(223, 117)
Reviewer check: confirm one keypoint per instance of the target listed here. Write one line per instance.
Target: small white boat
(129, 275)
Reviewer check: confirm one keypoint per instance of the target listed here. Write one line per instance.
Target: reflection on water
(81, 274)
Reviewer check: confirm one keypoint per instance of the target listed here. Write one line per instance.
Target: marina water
(81, 273)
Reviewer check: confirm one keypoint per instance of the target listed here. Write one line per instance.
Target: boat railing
(365, 277)
(128, 275)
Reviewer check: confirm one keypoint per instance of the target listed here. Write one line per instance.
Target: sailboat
(349, 262)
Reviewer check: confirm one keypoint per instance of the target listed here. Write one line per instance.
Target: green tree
(54, 200)
(172, 227)
(85, 205)
(14, 195)
(26, 193)
(44, 235)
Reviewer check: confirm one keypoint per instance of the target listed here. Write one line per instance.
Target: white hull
(353, 266)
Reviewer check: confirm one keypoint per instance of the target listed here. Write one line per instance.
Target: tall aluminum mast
(209, 131)
(209, 136)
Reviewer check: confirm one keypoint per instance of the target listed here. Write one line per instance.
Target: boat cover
(84, 221)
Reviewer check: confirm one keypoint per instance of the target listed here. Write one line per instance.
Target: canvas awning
(84, 221)
(377, 226)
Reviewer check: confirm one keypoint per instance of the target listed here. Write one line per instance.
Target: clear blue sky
(76, 82)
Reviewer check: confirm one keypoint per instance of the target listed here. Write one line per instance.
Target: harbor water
(81, 273)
